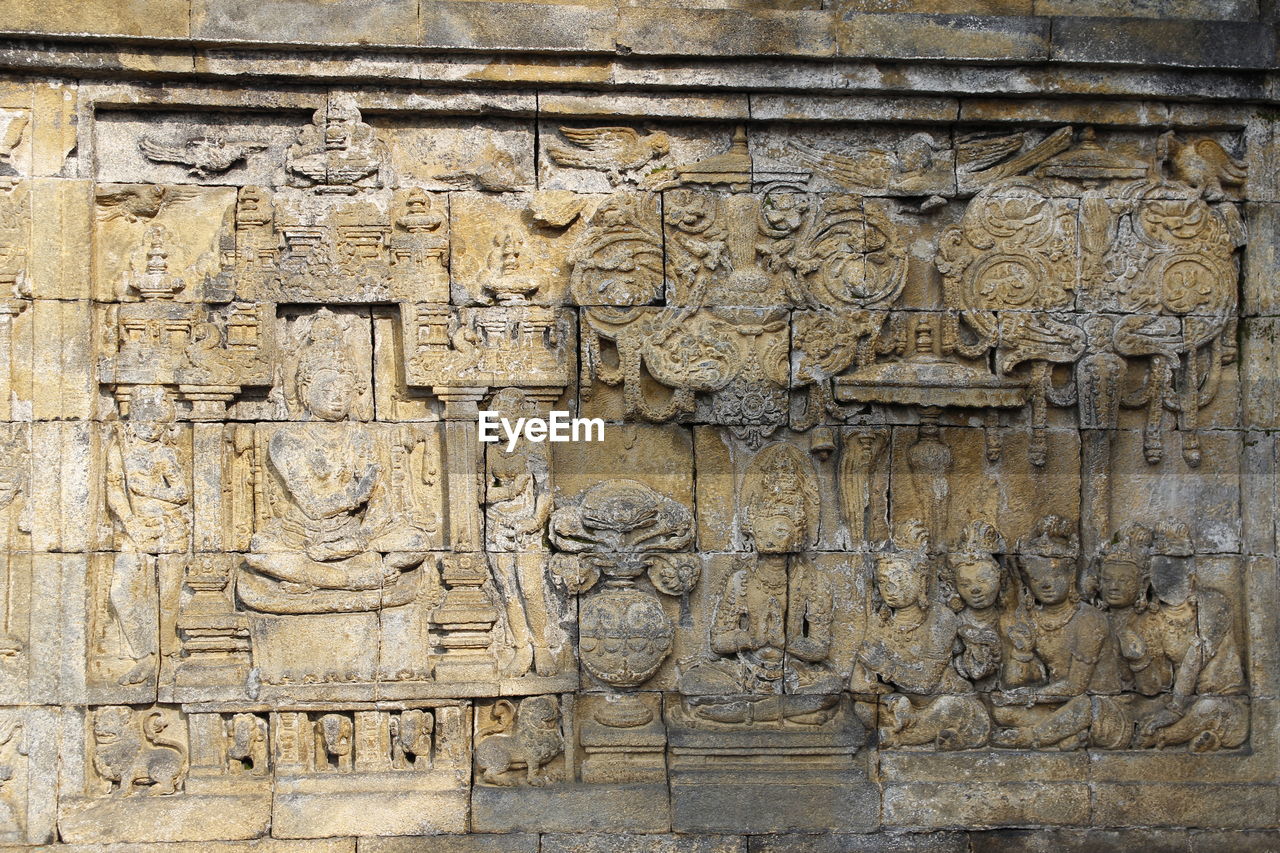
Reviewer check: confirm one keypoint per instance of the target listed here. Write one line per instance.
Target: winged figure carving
(204, 156)
(613, 150)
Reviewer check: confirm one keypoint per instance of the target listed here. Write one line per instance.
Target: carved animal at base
(945, 722)
(128, 754)
(333, 742)
(1210, 723)
(532, 742)
(411, 737)
(247, 747)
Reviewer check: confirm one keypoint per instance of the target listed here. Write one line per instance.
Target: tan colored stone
(333, 22)
(147, 18)
(715, 32)
(903, 36)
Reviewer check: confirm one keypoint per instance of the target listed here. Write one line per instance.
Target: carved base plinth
(571, 808)
(769, 779)
(464, 665)
(314, 647)
(175, 817)
(388, 803)
(613, 755)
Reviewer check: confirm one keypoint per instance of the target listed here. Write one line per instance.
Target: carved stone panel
(926, 474)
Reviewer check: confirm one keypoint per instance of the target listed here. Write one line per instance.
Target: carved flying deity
(770, 633)
(337, 152)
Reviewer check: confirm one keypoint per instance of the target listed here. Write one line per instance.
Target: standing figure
(148, 496)
(517, 506)
(907, 653)
(1063, 638)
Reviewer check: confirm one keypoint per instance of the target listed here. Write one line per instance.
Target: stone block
(1209, 806)
(286, 21)
(1203, 10)
(914, 36)
(611, 843)
(1260, 294)
(503, 843)
(1194, 44)
(714, 32)
(878, 842)
(518, 26)
(146, 18)
(1083, 841)
(978, 804)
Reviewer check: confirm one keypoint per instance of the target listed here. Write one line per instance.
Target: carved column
(462, 452)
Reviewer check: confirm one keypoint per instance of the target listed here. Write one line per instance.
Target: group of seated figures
(1016, 651)
(987, 645)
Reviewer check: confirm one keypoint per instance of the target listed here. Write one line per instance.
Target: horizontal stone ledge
(1002, 31)
(1194, 44)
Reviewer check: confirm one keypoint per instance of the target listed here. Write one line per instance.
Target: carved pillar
(9, 309)
(930, 461)
(462, 452)
(1095, 493)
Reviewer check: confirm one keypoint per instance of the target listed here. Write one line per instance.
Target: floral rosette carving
(619, 261)
(1105, 263)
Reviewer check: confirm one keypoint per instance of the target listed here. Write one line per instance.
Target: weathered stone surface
(284, 22)
(942, 36)
(1213, 44)
(923, 497)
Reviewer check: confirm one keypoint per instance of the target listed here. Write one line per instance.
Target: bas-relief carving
(336, 600)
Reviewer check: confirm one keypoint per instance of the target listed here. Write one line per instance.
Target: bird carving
(866, 167)
(613, 150)
(493, 171)
(977, 152)
(203, 156)
(138, 202)
(1204, 164)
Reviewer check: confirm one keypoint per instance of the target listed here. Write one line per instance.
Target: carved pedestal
(769, 777)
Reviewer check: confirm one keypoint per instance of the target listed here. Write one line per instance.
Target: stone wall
(934, 345)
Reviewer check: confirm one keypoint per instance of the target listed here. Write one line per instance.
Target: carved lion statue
(532, 741)
(129, 754)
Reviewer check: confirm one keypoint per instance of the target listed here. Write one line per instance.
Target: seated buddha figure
(771, 625)
(315, 555)
(907, 654)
